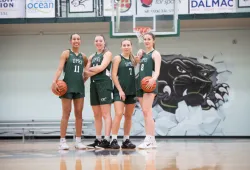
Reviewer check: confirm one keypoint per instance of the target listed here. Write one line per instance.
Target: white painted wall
(28, 64)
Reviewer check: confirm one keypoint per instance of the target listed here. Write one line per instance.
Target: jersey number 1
(130, 71)
(77, 69)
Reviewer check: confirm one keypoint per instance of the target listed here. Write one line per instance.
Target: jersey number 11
(77, 69)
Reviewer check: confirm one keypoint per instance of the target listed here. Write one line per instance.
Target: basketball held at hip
(144, 83)
(62, 88)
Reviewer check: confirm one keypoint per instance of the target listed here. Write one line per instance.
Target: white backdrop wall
(28, 64)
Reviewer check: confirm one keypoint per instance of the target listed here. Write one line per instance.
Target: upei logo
(40, 6)
(146, 3)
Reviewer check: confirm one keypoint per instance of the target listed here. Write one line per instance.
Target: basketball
(62, 86)
(144, 82)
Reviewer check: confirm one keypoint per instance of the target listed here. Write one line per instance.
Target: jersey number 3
(77, 68)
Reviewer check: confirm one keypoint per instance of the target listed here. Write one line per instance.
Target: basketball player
(123, 76)
(101, 91)
(150, 63)
(72, 62)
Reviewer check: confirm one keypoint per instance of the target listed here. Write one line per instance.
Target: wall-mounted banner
(40, 8)
(81, 6)
(211, 6)
(12, 8)
(160, 7)
(244, 3)
(127, 7)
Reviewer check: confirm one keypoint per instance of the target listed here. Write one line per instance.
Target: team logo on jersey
(144, 60)
(96, 59)
(128, 64)
(104, 99)
(146, 3)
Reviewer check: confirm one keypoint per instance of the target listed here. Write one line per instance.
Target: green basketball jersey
(105, 74)
(126, 77)
(147, 66)
(73, 69)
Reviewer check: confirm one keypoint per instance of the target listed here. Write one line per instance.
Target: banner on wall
(211, 6)
(81, 6)
(160, 7)
(244, 3)
(12, 9)
(127, 7)
(40, 8)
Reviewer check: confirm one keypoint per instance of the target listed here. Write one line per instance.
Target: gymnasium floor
(172, 154)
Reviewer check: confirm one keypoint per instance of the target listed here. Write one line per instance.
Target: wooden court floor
(171, 154)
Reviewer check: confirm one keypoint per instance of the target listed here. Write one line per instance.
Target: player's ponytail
(132, 58)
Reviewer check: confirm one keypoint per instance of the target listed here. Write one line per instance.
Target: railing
(32, 128)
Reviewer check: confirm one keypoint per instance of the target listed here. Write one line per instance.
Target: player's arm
(157, 58)
(139, 56)
(85, 60)
(115, 65)
(87, 73)
(107, 58)
(63, 58)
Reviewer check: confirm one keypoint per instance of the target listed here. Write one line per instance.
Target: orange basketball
(144, 82)
(62, 86)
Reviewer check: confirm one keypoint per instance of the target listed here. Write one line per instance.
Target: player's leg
(147, 102)
(66, 109)
(106, 115)
(119, 110)
(78, 106)
(129, 110)
(94, 101)
(105, 94)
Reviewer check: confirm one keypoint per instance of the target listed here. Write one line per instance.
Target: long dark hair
(153, 37)
(131, 56)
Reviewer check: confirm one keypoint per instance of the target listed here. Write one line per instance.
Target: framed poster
(243, 3)
(81, 6)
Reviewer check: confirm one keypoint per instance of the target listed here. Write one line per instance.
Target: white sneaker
(79, 145)
(154, 143)
(63, 146)
(147, 144)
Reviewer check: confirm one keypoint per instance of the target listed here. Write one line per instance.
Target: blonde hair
(131, 56)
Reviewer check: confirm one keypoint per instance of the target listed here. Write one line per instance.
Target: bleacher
(38, 128)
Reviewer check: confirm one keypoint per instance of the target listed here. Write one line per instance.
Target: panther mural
(185, 79)
(191, 98)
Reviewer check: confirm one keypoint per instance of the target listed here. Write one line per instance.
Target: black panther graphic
(186, 79)
(78, 2)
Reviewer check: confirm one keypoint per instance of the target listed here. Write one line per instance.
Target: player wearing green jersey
(101, 91)
(72, 63)
(150, 63)
(123, 76)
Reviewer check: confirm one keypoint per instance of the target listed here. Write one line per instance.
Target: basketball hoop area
(134, 18)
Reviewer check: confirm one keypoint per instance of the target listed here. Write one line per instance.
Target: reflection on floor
(171, 154)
